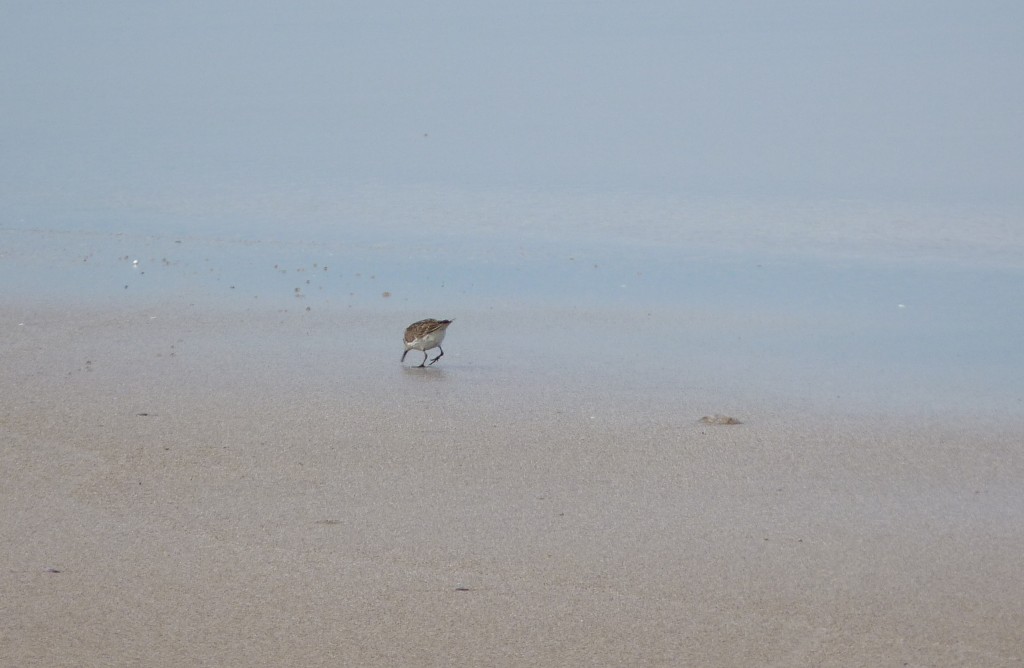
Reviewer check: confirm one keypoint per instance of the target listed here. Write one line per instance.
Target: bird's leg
(404, 354)
(424, 360)
(441, 354)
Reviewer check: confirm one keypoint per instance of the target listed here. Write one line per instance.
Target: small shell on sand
(719, 419)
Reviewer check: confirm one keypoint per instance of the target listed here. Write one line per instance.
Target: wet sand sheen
(174, 497)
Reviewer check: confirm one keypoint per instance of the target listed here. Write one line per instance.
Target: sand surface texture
(186, 486)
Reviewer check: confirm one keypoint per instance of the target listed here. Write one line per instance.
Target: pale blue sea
(887, 322)
(817, 200)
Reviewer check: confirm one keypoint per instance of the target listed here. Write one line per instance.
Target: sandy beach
(217, 220)
(249, 487)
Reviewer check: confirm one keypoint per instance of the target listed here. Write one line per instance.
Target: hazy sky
(905, 100)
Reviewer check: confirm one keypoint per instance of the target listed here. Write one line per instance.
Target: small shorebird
(425, 335)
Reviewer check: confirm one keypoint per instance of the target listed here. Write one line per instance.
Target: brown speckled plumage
(425, 335)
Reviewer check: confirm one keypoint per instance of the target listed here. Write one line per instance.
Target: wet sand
(186, 485)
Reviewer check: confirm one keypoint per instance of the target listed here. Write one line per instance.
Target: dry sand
(228, 488)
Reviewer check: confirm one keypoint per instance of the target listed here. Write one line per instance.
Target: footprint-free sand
(188, 485)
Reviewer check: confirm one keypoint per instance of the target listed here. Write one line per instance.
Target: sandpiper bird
(425, 335)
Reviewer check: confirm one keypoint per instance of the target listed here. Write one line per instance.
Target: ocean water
(821, 202)
(650, 295)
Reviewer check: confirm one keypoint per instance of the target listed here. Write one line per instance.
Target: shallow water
(920, 331)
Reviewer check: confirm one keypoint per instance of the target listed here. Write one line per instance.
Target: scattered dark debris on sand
(719, 419)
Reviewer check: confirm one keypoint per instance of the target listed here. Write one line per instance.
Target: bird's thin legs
(439, 356)
(425, 356)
